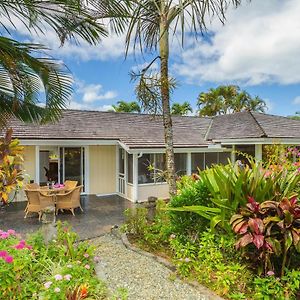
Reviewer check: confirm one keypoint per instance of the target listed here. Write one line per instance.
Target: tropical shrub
(191, 192)
(11, 174)
(63, 269)
(269, 232)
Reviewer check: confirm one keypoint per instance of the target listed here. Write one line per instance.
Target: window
(223, 157)
(144, 174)
(130, 169)
(211, 158)
(197, 162)
(180, 164)
(158, 162)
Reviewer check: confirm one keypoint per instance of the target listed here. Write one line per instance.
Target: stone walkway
(143, 277)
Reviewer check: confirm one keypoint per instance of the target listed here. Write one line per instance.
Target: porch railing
(121, 183)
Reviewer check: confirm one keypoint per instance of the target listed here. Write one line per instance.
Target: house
(110, 153)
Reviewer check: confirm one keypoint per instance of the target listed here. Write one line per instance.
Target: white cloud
(93, 92)
(260, 43)
(84, 106)
(269, 105)
(296, 101)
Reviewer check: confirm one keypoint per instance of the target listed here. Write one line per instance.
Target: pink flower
(58, 277)
(86, 255)
(68, 277)
(29, 247)
(87, 267)
(19, 246)
(270, 273)
(3, 253)
(11, 231)
(9, 259)
(57, 290)
(22, 242)
(4, 235)
(47, 284)
(96, 259)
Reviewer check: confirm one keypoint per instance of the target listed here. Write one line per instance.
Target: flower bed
(61, 269)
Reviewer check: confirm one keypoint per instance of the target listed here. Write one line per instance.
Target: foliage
(190, 192)
(27, 74)
(271, 287)
(273, 227)
(63, 269)
(230, 185)
(129, 107)
(11, 174)
(212, 261)
(152, 234)
(181, 109)
(226, 100)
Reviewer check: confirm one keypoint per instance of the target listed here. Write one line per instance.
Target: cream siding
(129, 192)
(102, 169)
(159, 190)
(29, 161)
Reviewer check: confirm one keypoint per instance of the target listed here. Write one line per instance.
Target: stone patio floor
(98, 216)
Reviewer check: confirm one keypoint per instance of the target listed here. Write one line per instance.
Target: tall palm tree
(27, 74)
(150, 24)
(129, 107)
(181, 109)
(227, 99)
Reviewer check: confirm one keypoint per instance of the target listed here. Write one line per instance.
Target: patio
(99, 215)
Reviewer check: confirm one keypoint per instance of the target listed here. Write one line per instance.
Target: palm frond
(24, 79)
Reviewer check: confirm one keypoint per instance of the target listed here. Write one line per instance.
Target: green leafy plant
(272, 227)
(11, 174)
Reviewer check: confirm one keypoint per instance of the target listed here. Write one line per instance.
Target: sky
(258, 48)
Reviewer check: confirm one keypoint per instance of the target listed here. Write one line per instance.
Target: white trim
(135, 177)
(37, 164)
(124, 146)
(258, 151)
(125, 171)
(253, 141)
(189, 163)
(233, 155)
(64, 143)
(110, 194)
(178, 150)
(87, 169)
(152, 183)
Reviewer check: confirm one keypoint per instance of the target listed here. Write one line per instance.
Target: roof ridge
(208, 129)
(258, 124)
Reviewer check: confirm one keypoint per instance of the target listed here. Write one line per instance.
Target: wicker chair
(69, 200)
(37, 202)
(32, 186)
(70, 184)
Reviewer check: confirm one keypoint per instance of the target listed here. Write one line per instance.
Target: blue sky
(258, 49)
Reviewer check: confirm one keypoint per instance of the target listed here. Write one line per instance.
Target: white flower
(68, 277)
(58, 277)
(47, 284)
(57, 290)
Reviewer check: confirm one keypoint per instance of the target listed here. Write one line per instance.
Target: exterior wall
(159, 190)
(129, 193)
(102, 169)
(29, 161)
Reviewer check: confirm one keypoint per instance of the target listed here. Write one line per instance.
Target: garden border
(123, 237)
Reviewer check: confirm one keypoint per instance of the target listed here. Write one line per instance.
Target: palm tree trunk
(165, 95)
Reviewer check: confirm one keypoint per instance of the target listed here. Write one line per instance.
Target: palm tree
(227, 99)
(150, 24)
(27, 74)
(181, 109)
(129, 107)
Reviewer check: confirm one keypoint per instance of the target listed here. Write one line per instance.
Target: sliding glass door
(72, 164)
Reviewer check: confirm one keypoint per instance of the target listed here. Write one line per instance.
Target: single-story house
(109, 153)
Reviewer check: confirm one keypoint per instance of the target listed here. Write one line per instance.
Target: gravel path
(143, 277)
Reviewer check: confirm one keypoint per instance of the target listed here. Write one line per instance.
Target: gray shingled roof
(253, 125)
(134, 130)
(145, 131)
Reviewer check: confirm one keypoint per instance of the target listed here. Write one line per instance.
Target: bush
(188, 224)
(63, 269)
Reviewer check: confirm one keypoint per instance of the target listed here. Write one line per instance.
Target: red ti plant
(272, 227)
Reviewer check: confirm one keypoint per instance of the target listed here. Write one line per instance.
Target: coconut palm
(27, 75)
(129, 107)
(227, 99)
(151, 22)
(181, 109)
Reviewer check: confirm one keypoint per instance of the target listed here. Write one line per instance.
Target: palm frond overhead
(25, 78)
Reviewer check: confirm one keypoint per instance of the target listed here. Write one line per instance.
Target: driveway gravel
(142, 277)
